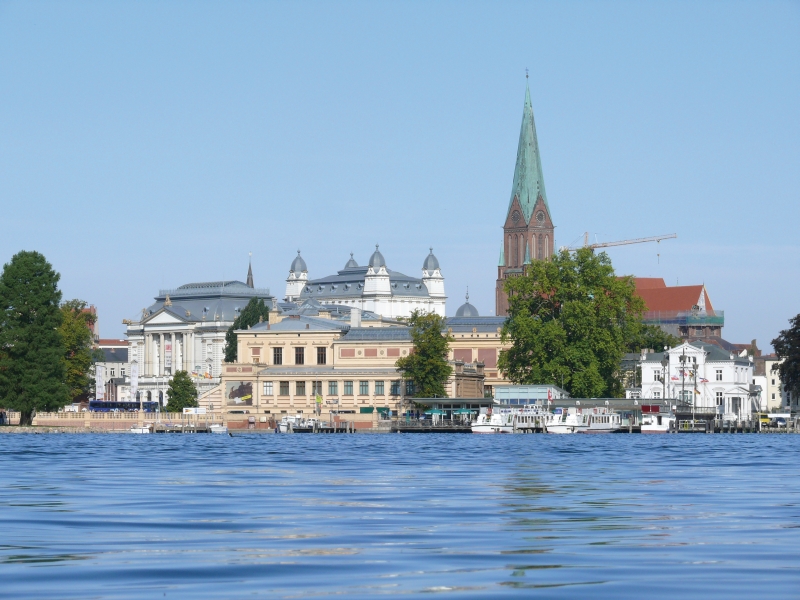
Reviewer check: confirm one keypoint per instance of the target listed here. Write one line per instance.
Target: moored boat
(141, 429)
(497, 422)
(655, 421)
(218, 428)
(602, 420)
(570, 420)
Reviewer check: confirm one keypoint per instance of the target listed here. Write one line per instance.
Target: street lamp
(665, 371)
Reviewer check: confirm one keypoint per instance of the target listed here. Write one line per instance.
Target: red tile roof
(111, 343)
(658, 297)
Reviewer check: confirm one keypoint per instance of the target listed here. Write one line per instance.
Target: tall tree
(31, 348)
(255, 312)
(76, 336)
(570, 322)
(181, 392)
(787, 347)
(651, 336)
(427, 364)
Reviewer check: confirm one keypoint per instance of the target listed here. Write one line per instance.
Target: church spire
(250, 271)
(528, 179)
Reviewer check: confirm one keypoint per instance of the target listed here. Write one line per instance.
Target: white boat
(143, 429)
(602, 420)
(497, 422)
(655, 421)
(570, 420)
(290, 423)
(218, 428)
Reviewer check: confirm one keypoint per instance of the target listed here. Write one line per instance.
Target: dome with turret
(376, 261)
(431, 262)
(351, 264)
(298, 264)
(467, 310)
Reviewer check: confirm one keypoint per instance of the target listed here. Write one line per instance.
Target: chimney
(355, 317)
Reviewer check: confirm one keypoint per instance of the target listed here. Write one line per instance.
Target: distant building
(776, 397)
(373, 287)
(684, 311)
(184, 329)
(528, 231)
(710, 377)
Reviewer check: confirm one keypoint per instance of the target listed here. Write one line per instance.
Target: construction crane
(586, 244)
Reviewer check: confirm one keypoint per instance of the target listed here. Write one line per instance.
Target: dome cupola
(431, 262)
(467, 310)
(298, 264)
(351, 264)
(376, 261)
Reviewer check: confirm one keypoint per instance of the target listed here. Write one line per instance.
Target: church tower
(528, 228)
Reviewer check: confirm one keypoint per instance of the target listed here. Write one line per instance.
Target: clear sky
(144, 145)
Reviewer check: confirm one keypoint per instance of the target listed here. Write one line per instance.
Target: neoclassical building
(184, 329)
(528, 230)
(373, 287)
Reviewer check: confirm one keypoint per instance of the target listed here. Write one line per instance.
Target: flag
(100, 382)
(318, 398)
(675, 378)
(549, 394)
(703, 380)
(134, 379)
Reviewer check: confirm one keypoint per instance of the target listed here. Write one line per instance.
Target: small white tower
(297, 280)
(432, 276)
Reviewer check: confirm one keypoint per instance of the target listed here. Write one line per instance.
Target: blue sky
(146, 145)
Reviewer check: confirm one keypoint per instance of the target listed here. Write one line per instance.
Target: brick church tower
(528, 229)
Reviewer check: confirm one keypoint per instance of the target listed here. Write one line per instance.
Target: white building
(717, 380)
(184, 330)
(373, 287)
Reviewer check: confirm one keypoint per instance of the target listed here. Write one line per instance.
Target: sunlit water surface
(210, 516)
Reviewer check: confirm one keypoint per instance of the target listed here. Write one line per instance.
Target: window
(300, 388)
(657, 395)
(698, 331)
(773, 382)
(720, 400)
(300, 356)
(321, 356)
(773, 396)
(379, 388)
(409, 388)
(284, 388)
(657, 375)
(333, 388)
(316, 388)
(395, 389)
(277, 356)
(719, 374)
(268, 388)
(363, 388)
(348, 388)
(122, 372)
(112, 372)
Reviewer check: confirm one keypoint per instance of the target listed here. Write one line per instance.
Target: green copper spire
(502, 262)
(528, 178)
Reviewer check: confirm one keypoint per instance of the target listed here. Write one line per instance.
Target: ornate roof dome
(431, 263)
(351, 263)
(376, 261)
(298, 264)
(467, 310)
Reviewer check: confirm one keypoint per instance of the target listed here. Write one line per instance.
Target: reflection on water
(367, 515)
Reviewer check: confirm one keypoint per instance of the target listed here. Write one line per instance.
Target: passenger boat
(497, 422)
(602, 420)
(296, 424)
(655, 421)
(571, 420)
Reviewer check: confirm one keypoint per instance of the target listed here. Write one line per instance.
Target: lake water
(291, 516)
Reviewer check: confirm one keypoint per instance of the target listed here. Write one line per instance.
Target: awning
(383, 410)
(366, 409)
(435, 411)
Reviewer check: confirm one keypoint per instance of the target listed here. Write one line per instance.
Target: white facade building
(714, 379)
(374, 288)
(184, 330)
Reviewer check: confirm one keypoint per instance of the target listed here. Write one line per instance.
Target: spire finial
(376, 247)
(351, 255)
(431, 249)
(526, 72)
(467, 294)
(298, 253)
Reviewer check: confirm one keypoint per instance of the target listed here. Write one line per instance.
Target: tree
(653, 337)
(76, 336)
(787, 347)
(427, 364)
(181, 392)
(31, 348)
(571, 319)
(255, 312)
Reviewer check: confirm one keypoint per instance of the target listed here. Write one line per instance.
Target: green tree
(571, 319)
(76, 336)
(181, 392)
(255, 312)
(651, 336)
(787, 347)
(427, 364)
(31, 348)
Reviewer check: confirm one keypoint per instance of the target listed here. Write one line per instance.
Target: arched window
(547, 246)
(515, 252)
(522, 250)
(508, 254)
(533, 247)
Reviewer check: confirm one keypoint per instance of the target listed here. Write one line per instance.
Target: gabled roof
(649, 283)
(677, 298)
(528, 178)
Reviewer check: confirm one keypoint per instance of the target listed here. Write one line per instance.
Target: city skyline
(146, 147)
